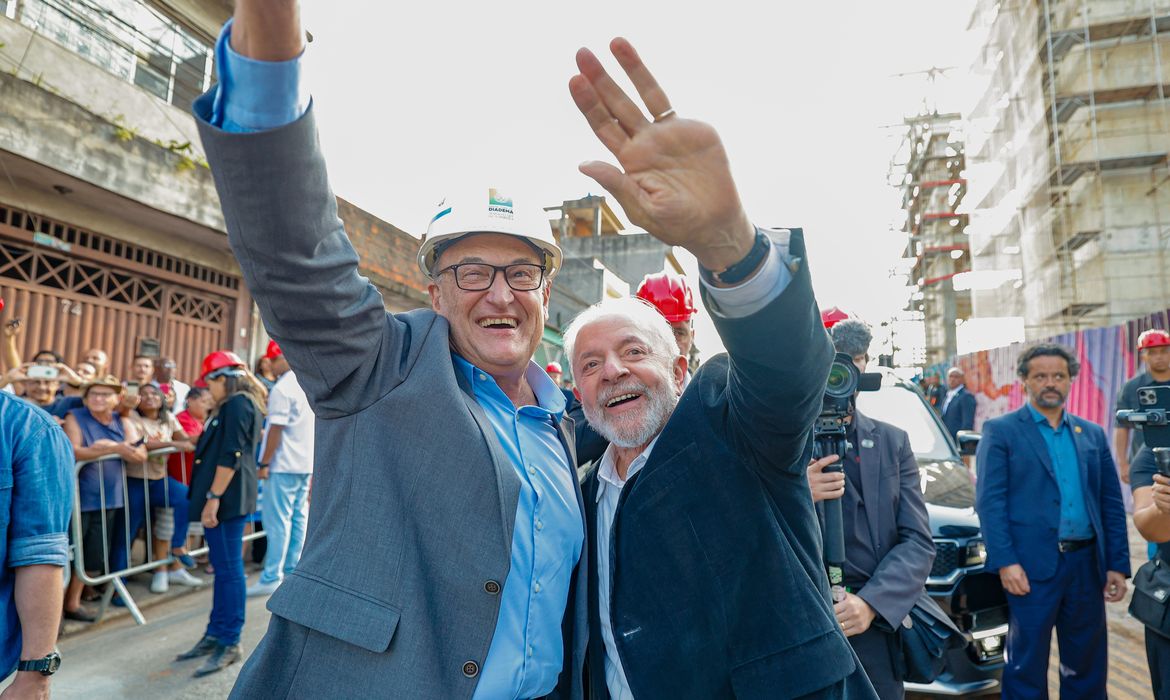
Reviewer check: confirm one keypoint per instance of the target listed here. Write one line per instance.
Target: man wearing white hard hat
(445, 546)
(446, 552)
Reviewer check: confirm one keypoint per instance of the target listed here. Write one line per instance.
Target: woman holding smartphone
(223, 493)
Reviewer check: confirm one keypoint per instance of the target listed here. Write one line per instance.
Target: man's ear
(576, 392)
(433, 290)
(680, 372)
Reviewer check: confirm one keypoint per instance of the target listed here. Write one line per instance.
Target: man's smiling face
(499, 328)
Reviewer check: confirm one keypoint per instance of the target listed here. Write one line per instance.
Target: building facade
(1067, 151)
(111, 233)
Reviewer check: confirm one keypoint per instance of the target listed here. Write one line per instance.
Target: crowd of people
(145, 440)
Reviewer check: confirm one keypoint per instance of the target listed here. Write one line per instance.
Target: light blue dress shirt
(527, 651)
(1066, 465)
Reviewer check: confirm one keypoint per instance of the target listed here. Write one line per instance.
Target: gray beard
(640, 431)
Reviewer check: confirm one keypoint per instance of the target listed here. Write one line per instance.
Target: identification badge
(867, 443)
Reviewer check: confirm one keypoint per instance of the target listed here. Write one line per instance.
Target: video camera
(829, 432)
(1153, 418)
(845, 380)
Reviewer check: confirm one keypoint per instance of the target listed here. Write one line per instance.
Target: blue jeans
(224, 549)
(164, 493)
(284, 510)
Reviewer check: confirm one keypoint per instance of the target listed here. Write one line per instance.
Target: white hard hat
(487, 210)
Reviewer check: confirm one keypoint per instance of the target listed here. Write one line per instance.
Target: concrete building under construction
(929, 170)
(1067, 153)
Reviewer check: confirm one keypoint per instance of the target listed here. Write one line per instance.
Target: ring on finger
(665, 115)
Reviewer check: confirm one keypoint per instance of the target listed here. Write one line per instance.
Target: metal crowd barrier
(114, 578)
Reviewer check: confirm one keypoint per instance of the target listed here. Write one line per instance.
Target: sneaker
(158, 584)
(260, 588)
(182, 578)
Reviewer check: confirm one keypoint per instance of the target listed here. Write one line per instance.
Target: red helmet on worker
(669, 294)
(553, 368)
(221, 362)
(832, 316)
(1153, 338)
(273, 350)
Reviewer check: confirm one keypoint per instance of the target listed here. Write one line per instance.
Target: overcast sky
(415, 97)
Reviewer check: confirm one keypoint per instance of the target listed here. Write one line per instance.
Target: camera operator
(888, 548)
(1151, 516)
(1154, 346)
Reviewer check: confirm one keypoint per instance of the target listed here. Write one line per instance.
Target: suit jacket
(960, 413)
(228, 441)
(895, 514)
(718, 588)
(413, 500)
(1018, 499)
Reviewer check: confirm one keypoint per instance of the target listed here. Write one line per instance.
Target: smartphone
(42, 372)
(132, 388)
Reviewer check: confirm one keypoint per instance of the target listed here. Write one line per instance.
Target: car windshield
(945, 479)
(905, 409)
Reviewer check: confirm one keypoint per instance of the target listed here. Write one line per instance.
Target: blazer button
(471, 669)
(198, 461)
(491, 587)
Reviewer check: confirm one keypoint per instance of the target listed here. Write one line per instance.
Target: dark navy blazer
(1019, 501)
(719, 590)
(960, 413)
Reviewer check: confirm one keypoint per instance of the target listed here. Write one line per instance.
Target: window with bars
(128, 39)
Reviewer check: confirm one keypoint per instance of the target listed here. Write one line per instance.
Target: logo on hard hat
(500, 205)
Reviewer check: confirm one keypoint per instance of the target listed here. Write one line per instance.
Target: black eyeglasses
(476, 277)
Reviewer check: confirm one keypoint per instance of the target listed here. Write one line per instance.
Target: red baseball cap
(274, 350)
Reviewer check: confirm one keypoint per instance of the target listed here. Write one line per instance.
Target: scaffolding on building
(929, 168)
(1067, 146)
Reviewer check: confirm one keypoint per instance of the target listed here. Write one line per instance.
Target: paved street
(124, 660)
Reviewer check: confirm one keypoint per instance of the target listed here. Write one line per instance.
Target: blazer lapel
(1036, 440)
(566, 427)
(871, 463)
(507, 481)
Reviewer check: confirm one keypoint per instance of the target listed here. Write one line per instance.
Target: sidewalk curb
(73, 628)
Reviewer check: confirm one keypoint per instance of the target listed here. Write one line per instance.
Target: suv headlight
(976, 553)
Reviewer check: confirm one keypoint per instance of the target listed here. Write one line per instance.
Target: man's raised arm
(282, 218)
(675, 182)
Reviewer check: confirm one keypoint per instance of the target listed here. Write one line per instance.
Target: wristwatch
(740, 270)
(46, 666)
(213, 496)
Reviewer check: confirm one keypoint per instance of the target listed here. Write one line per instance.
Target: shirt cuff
(754, 294)
(51, 548)
(255, 95)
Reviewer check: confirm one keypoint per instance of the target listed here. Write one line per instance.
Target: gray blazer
(897, 520)
(409, 539)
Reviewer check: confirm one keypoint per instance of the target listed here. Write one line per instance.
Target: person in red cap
(222, 495)
(554, 372)
(672, 297)
(1154, 346)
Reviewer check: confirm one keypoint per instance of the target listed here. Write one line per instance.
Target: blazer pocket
(339, 612)
(801, 669)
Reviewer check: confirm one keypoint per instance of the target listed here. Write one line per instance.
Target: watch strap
(213, 496)
(741, 270)
(45, 666)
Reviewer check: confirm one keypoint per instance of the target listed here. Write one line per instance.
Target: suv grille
(946, 559)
